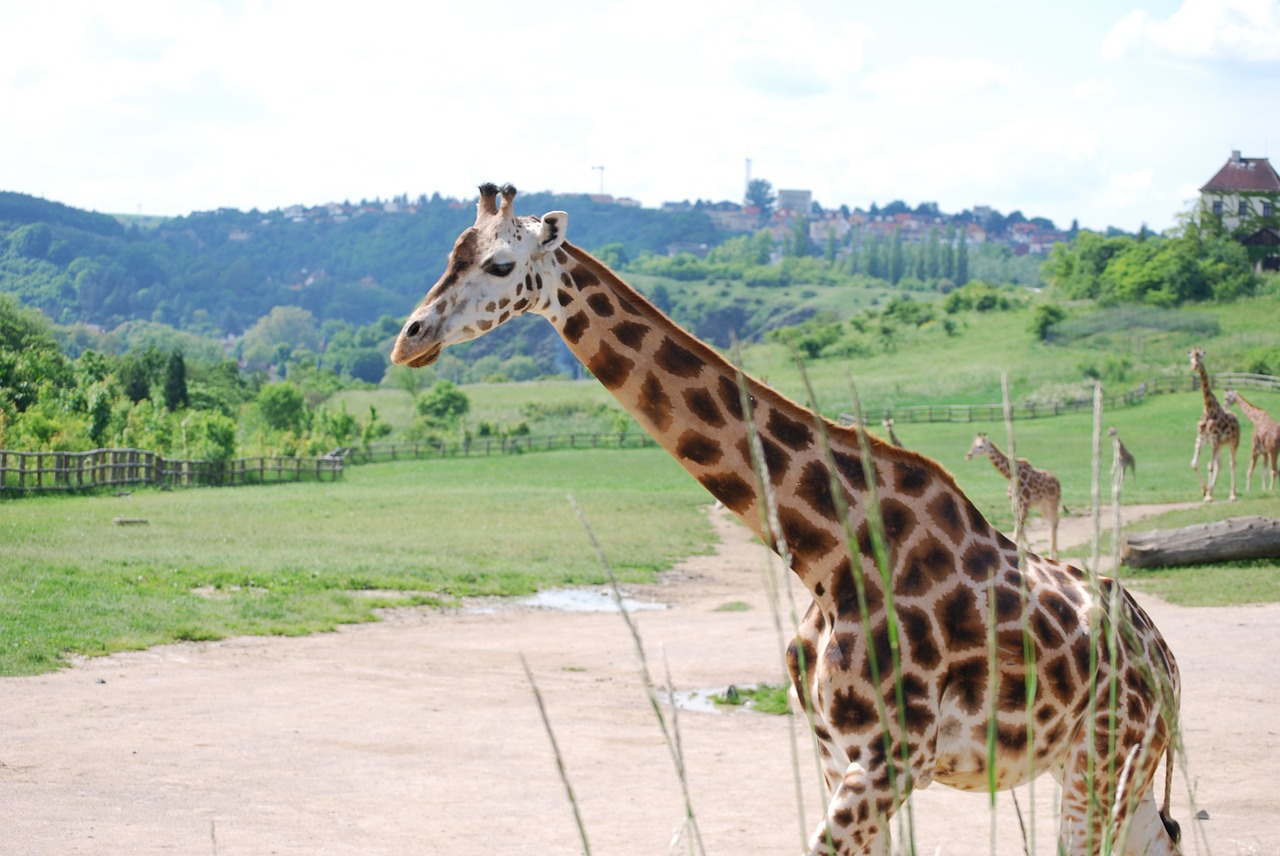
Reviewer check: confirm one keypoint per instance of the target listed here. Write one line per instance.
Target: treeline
(1198, 262)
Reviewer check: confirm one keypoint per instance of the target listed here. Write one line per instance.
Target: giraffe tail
(1170, 825)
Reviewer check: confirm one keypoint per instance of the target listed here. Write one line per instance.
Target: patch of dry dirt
(420, 734)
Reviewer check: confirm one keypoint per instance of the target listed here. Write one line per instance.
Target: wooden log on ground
(1203, 543)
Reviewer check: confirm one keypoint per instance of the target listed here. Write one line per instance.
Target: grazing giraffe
(1266, 440)
(1121, 458)
(1216, 427)
(953, 575)
(893, 438)
(1037, 489)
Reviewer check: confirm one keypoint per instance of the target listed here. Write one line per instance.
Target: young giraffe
(1037, 489)
(1121, 458)
(1266, 440)
(893, 438)
(949, 567)
(1216, 427)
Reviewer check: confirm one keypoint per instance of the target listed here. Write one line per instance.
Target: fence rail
(39, 471)
(483, 446)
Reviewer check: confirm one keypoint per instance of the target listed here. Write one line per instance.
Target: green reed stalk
(555, 750)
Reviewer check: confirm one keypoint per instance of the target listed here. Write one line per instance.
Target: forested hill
(217, 272)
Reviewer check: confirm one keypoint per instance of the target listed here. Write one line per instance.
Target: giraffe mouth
(426, 358)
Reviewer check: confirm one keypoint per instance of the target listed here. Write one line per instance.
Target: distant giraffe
(1121, 458)
(1266, 440)
(1216, 427)
(1037, 489)
(893, 438)
(953, 577)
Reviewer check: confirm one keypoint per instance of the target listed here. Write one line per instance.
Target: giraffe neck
(1206, 389)
(690, 400)
(1000, 461)
(1256, 415)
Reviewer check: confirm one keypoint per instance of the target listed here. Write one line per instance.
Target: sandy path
(420, 735)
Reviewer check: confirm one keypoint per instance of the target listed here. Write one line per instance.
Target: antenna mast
(746, 188)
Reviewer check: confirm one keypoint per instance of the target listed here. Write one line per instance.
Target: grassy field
(299, 558)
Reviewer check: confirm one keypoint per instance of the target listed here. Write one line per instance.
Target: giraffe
(952, 574)
(1121, 458)
(893, 438)
(1037, 489)
(1217, 428)
(1266, 440)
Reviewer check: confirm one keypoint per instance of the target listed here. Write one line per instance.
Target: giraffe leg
(1195, 463)
(1148, 833)
(1248, 476)
(1211, 475)
(857, 821)
(1232, 452)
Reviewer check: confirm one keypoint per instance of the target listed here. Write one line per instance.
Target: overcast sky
(1109, 111)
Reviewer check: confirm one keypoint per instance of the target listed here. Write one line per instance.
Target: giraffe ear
(554, 224)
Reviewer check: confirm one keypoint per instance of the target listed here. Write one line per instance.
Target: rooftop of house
(1244, 174)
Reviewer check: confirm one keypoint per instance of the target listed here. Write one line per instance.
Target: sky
(1108, 112)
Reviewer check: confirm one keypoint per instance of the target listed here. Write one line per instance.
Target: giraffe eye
(499, 267)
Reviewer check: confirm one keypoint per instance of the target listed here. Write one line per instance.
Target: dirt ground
(420, 734)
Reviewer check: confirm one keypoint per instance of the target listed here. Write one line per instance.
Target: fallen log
(1203, 543)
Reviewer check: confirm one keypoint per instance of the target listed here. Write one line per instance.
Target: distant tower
(601, 178)
(746, 188)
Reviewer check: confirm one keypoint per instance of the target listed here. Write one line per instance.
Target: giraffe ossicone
(953, 575)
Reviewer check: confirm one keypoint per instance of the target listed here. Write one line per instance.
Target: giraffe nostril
(414, 329)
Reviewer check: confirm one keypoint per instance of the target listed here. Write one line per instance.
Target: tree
(962, 259)
(283, 406)
(275, 335)
(175, 381)
(760, 195)
(444, 403)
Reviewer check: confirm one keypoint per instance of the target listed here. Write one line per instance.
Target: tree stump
(1203, 543)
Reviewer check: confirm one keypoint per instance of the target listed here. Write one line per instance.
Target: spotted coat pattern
(1217, 429)
(952, 574)
(1266, 440)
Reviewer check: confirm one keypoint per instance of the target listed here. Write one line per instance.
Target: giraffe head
(1197, 358)
(1230, 397)
(887, 422)
(1111, 432)
(981, 446)
(495, 272)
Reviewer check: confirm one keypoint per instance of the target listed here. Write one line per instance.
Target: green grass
(291, 559)
(765, 698)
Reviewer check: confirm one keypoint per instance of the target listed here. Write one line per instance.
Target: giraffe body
(949, 568)
(1266, 440)
(1217, 429)
(1038, 489)
(1121, 458)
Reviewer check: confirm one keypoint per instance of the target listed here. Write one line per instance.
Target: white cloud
(1223, 30)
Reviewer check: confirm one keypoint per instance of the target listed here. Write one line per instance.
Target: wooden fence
(38, 471)
(483, 446)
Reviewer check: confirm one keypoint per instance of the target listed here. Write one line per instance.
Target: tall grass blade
(555, 750)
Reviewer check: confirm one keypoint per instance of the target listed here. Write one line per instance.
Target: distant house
(1245, 196)
(1243, 190)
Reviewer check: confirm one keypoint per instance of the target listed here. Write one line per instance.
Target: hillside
(217, 272)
